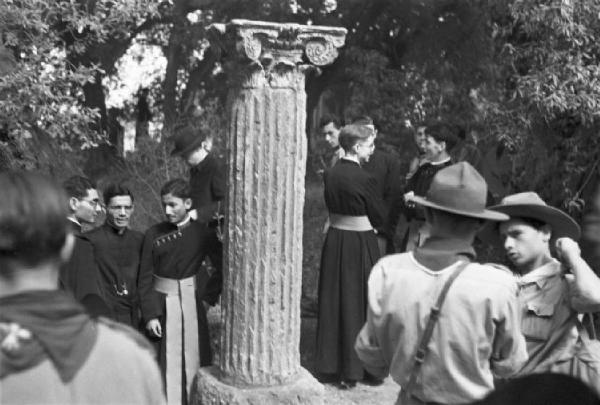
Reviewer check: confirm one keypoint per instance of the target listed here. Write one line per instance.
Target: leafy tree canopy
(518, 76)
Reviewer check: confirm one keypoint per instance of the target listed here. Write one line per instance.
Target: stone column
(259, 358)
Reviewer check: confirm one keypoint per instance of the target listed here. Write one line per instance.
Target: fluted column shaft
(266, 148)
(263, 254)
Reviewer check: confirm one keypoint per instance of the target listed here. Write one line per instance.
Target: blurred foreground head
(542, 389)
(33, 226)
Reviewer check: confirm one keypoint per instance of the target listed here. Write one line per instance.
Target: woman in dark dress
(349, 252)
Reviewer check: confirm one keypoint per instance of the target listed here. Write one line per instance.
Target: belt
(181, 333)
(350, 223)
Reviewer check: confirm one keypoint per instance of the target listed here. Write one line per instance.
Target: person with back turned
(443, 325)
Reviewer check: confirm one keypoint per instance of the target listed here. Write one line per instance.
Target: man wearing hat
(207, 185)
(207, 180)
(553, 292)
(441, 324)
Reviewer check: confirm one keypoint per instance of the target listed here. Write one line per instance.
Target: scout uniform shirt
(552, 328)
(476, 338)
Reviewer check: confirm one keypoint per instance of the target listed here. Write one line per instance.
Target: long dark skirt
(346, 261)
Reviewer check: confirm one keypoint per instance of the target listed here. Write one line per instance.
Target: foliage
(515, 73)
(40, 89)
(519, 76)
(549, 106)
(46, 70)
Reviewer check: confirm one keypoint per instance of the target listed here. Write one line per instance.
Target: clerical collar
(117, 230)
(351, 158)
(185, 222)
(441, 162)
(75, 225)
(75, 221)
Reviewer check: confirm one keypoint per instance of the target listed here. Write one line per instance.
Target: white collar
(185, 221)
(74, 220)
(441, 162)
(351, 158)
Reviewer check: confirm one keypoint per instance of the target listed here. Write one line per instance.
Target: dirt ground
(361, 394)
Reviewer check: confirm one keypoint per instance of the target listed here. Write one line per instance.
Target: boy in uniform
(173, 284)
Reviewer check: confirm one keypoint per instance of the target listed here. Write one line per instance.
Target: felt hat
(186, 140)
(459, 189)
(530, 205)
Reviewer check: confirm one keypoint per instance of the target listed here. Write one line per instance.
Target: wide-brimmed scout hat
(530, 205)
(186, 140)
(459, 189)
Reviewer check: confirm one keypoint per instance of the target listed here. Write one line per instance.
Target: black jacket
(80, 276)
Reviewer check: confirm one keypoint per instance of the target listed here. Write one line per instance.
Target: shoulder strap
(433, 317)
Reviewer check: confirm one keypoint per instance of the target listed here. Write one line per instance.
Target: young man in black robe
(439, 141)
(80, 274)
(385, 168)
(173, 285)
(117, 250)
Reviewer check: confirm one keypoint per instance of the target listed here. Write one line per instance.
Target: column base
(209, 390)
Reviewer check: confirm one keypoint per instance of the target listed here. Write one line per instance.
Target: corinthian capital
(271, 44)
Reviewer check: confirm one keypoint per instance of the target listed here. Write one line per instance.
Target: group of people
(446, 328)
(80, 342)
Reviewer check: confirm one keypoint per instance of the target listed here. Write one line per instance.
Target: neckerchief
(541, 274)
(438, 253)
(36, 325)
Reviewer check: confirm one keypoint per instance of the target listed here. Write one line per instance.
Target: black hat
(186, 140)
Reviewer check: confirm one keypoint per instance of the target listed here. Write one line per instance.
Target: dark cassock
(172, 285)
(349, 252)
(80, 276)
(419, 184)
(385, 168)
(118, 254)
(208, 188)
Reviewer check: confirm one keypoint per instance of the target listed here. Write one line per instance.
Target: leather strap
(433, 318)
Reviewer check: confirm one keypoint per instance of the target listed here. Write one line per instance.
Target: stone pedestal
(259, 361)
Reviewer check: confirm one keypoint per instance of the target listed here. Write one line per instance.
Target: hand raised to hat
(568, 251)
(584, 284)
